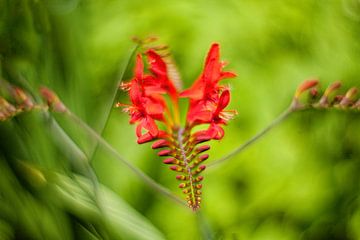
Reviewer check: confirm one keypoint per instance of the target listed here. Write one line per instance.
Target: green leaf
(122, 220)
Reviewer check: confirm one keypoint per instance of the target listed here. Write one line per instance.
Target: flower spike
(179, 144)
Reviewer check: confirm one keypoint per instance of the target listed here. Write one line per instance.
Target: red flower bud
(307, 84)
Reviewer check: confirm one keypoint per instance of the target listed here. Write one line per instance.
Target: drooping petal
(149, 124)
(216, 132)
(161, 80)
(223, 101)
(157, 65)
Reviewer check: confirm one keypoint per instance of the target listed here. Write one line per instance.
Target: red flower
(159, 81)
(206, 86)
(221, 116)
(205, 93)
(215, 116)
(144, 109)
(208, 101)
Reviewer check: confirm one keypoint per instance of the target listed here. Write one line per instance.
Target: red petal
(147, 137)
(227, 75)
(157, 65)
(139, 67)
(223, 101)
(196, 91)
(149, 124)
(216, 132)
(213, 54)
(138, 130)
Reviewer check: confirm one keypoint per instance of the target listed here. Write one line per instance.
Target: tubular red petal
(227, 75)
(147, 137)
(203, 157)
(138, 130)
(149, 124)
(165, 152)
(202, 148)
(157, 65)
(160, 144)
(223, 101)
(139, 67)
(170, 161)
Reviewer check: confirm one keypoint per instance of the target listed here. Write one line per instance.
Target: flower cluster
(19, 101)
(330, 98)
(155, 110)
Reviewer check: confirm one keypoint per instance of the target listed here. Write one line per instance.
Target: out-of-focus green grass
(300, 181)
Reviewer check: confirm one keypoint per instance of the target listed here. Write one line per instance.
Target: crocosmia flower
(154, 109)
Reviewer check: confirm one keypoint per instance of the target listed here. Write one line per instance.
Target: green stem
(246, 144)
(113, 97)
(149, 181)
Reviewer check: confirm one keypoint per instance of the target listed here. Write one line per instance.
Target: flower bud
(160, 144)
(170, 161)
(307, 84)
(52, 100)
(166, 152)
(147, 137)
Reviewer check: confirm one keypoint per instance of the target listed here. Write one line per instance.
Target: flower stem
(246, 144)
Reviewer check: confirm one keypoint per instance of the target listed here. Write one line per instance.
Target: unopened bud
(203, 157)
(198, 179)
(21, 97)
(186, 191)
(160, 144)
(166, 152)
(7, 110)
(182, 185)
(199, 169)
(52, 100)
(351, 93)
(171, 161)
(181, 177)
(349, 96)
(333, 87)
(307, 84)
(176, 168)
(202, 148)
(147, 137)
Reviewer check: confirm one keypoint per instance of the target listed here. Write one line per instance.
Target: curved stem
(246, 144)
(148, 180)
(122, 71)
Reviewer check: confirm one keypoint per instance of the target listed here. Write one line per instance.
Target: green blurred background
(301, 181)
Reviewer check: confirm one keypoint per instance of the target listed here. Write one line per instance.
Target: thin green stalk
(148, 180)
(248, 143)
(113, 97)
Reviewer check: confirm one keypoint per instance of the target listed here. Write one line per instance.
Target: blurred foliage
(299, 182)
